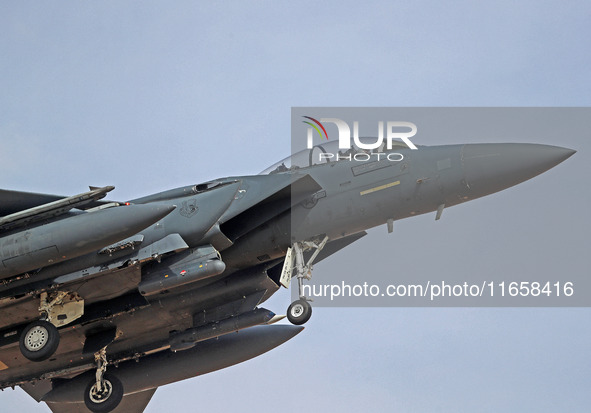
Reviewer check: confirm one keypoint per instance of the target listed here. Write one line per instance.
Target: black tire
(299, 312)
(108, 400)
(39, 340)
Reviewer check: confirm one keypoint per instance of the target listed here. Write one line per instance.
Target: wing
(132, 403)
(15, 201)
(22, 208)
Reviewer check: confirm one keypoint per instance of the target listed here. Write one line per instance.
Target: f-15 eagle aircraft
(102, 302)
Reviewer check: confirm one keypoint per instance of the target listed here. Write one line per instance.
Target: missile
(168, 367)
(74, 236)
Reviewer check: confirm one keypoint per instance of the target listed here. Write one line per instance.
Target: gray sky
(147, 96)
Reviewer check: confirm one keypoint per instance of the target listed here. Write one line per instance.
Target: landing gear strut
(103, 394)
(300, 311)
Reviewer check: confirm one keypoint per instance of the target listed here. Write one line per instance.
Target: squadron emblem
(189, 208)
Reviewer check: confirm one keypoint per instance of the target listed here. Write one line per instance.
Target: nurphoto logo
(361, 149)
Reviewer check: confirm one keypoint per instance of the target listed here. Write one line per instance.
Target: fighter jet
(102, 302)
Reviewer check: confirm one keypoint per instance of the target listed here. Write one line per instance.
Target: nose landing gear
(300, 311)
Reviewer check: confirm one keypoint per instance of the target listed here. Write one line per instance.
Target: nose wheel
(299, 312)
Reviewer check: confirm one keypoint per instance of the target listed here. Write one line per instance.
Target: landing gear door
(287, 270)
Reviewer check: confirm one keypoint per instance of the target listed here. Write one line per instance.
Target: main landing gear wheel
(105, 399)
(299, 312)
(39, 340)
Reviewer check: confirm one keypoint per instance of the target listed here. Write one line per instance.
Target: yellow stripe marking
(3, 366)
(379, 188)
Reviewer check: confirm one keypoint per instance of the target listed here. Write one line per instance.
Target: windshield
(311, 157)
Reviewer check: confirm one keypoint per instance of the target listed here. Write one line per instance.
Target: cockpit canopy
(310, 157)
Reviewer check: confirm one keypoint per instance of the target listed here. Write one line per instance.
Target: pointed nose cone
(492, 167)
